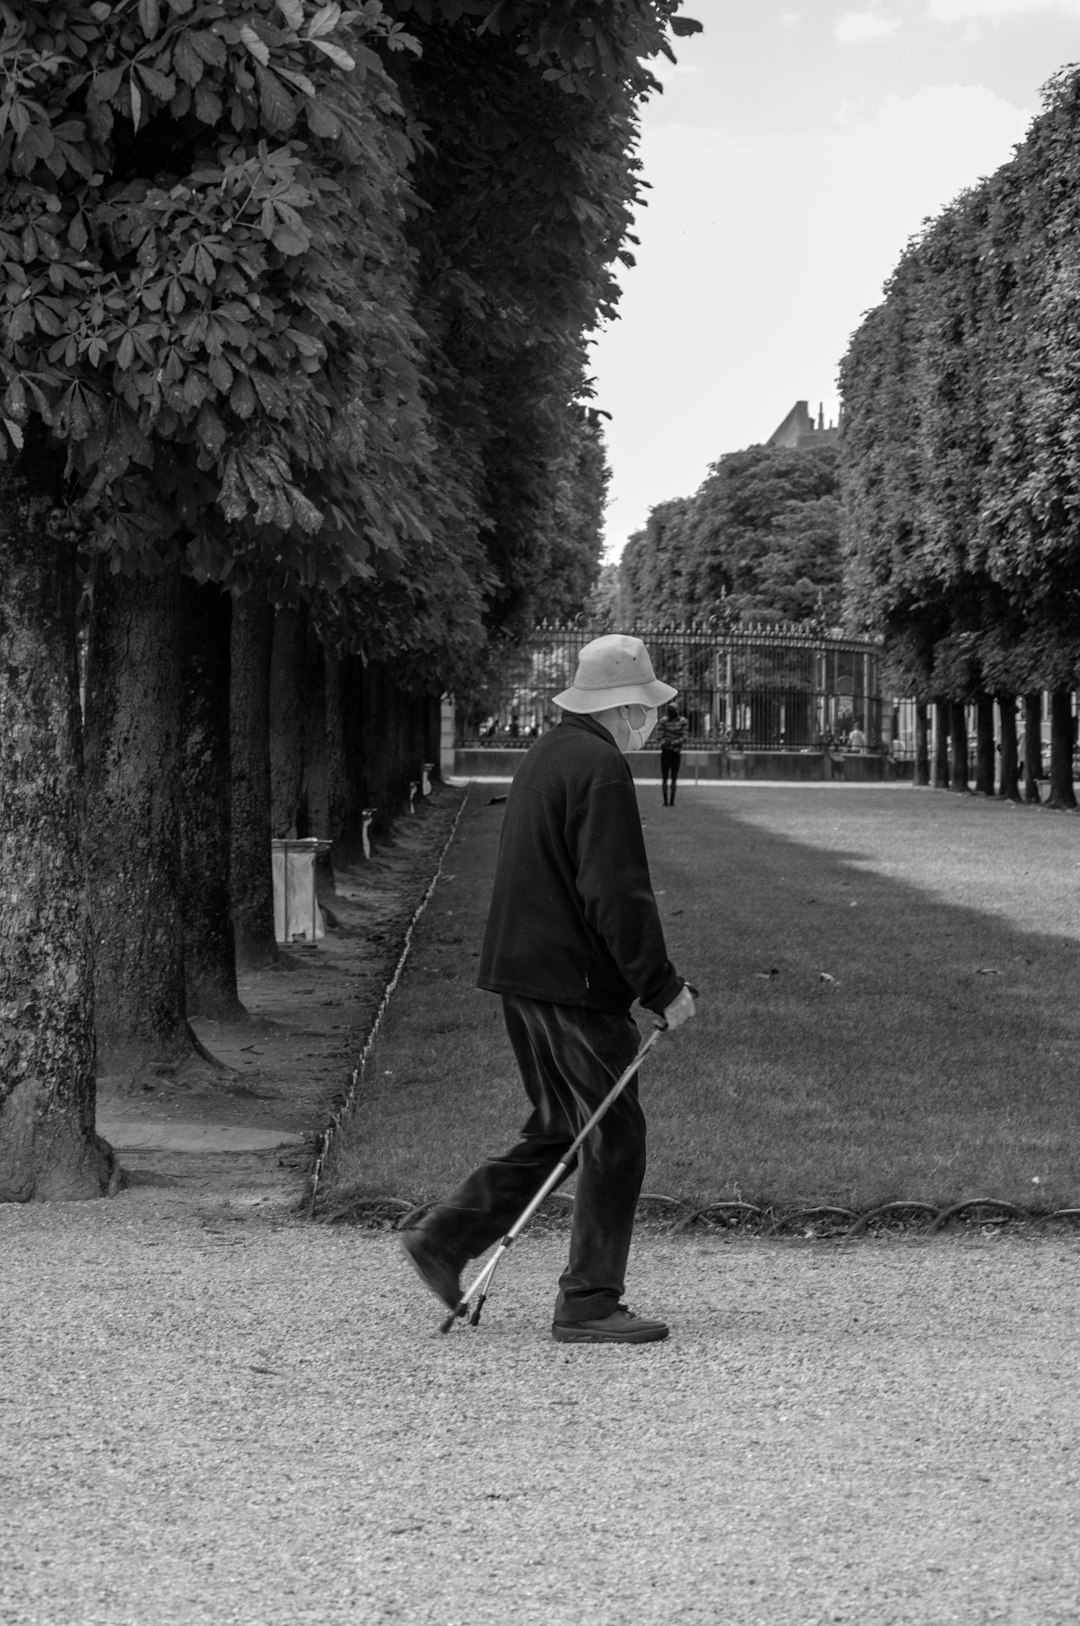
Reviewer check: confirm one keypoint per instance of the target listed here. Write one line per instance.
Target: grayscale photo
(539, 845)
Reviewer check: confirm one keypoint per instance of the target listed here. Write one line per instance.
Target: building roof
(799, 430)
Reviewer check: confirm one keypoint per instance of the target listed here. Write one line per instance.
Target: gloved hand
(681, 1009)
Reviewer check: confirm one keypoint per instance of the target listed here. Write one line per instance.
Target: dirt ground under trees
(242, 1127)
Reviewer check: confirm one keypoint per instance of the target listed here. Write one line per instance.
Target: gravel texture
(227, 1415)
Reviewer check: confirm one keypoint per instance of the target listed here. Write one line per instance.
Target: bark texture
(940, 777)
(349, 754)
(985, 753)
(958, 747)
(251, 883)
(1062, 746)
(337, 778)
(1032, 746)
(922, 743)
(400, 734)
(209, 948)
(314, 814)
(290, 681)
(133, 759)
(48, 1148)
(1009, 781)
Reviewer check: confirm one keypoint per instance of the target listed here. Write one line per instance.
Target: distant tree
(759, 538)
(764, 529)
(799, 577)
(604, 607)
(653, 565)
(583, 476)
(529, 175)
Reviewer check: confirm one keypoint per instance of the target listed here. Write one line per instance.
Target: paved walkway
(136, 1135)
(232, 1416)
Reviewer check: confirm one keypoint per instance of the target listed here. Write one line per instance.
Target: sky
(797, 146)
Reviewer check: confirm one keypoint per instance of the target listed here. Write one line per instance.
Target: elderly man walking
(573, 937)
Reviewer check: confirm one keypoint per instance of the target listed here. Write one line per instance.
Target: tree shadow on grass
(864, 1035)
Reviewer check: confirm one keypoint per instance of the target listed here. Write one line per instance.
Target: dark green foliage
(527, 176)
(652, 564)
(202, 213)
(604, 606)
(961, 450)
(758, 541)
(304, 291)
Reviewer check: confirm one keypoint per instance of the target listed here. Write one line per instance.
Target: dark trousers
(569, 1059)
(669, 770)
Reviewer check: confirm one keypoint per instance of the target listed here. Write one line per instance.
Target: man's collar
(582, 719)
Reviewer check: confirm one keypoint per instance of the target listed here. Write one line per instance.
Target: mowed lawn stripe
(889, 1007)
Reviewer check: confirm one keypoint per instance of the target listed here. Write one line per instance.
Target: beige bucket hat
(614, 671)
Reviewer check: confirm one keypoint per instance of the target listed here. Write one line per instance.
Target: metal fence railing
(769, 688)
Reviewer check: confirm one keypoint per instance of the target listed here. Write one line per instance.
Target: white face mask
(638, 736)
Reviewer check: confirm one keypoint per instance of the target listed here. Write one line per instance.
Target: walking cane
(483, 1281)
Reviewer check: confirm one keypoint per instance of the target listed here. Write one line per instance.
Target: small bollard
(368, 814)
(414, 786)
(425, 778)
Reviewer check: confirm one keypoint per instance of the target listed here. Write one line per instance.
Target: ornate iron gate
(769, 688)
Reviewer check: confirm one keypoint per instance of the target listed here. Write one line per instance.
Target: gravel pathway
(227, 1415)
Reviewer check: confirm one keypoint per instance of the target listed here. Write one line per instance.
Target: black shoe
(433, 1268)
(622, 1326)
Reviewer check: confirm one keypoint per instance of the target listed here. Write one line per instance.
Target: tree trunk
(133, 758)
(387, 747)
(433, 734)
(423, 733)
(347, 755)
(289, 684)
(985, 753)
(397, 741)
(941, 745)
(336, 767)
(48, 1149)
(1032, 752)
(958, 747)
(316, 798)
(922, 743)
(209, 947)
(1009, 785)
(1062, 745)
(251, 884)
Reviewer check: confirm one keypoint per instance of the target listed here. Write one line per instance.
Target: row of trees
(961, 460)
(759, 541)
(293, 362)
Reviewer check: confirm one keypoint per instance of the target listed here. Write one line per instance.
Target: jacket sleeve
(612, 877)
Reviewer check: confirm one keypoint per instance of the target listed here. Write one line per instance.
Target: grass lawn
(889, 1007)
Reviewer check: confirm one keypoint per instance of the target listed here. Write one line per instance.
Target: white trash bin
(297, 916)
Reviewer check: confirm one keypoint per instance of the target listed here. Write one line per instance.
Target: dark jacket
(573, 918)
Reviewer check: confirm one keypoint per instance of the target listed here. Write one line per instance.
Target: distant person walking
(573, 938)
(671, 736)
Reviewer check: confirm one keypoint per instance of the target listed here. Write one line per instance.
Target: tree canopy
(961, 470)
(200, 204)
(304, 290)
(758, 541)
